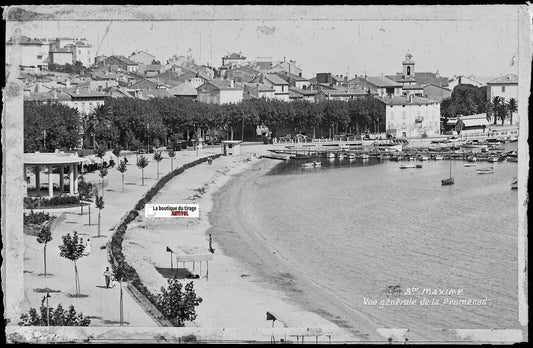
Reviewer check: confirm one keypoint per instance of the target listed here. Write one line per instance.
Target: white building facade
(412, 117)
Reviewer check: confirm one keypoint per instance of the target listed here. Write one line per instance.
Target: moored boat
(350, 155)
(330, 155)
(470, 164)
(312, 164)
(485, 171)
(298, 157)
(514, 184)
(365, 156)
(406, 166)
(423, 158)
(439, 157)
(449, 180)
(419, 166)
(493, 159)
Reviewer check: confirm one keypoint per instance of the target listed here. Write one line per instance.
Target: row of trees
(470, 100)
(136, 124)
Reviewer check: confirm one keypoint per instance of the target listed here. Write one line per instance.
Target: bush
(57, 317)
(37, 218)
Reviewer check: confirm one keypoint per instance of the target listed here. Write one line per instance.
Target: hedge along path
(135, 287)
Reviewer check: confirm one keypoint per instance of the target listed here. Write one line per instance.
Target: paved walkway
(96, 301)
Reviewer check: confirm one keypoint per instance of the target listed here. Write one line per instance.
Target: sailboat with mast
(449, 180)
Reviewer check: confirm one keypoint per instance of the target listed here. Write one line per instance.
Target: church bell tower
(408, 67)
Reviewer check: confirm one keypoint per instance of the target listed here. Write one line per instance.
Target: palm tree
(97, 117)
(512, 106)
(495, 106)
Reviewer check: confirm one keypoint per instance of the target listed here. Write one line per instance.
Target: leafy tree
(171, 153)
(117, 150)
(178, 304)
(85, 192)
(122, 272)
(99, 202)
(50, 126)
(142, 163)
(99, 151)
(158, 157)
(44, 237)
(122, 168)
(512, 107)
(72, 250)
(57, 317)
(103, 173)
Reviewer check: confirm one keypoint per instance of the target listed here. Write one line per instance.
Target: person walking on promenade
(107, 276)
(87, 250)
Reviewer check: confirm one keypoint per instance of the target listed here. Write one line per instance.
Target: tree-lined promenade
(134, 124)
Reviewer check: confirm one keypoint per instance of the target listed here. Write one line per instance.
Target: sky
(478, 45)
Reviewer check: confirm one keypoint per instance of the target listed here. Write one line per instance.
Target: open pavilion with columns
(38, 160)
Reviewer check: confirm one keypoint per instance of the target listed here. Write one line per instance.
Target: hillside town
(71, 71)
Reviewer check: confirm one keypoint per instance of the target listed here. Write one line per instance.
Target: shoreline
(234, 295)
(248, 244)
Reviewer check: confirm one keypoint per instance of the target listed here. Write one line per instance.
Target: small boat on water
(330, 155)
(419, 166)
(341, 155)
(470, 164)
(312, 164)
(471, 158)
(350, 155)
(406, 166)
(485, 171)
(449, 180)
(299, 157)
(512, 159)
(439, 157)
(474, 144)
(493, 159)
(423, 158)
(514, 184)
(365, 156)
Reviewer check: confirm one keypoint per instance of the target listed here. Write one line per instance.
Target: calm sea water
(355, 227)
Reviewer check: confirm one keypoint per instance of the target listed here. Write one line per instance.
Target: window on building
(408, 70)
(79, 52)
(39, 57)
(503, 88)
(403, 114)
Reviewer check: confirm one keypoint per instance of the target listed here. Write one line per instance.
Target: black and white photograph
(283, 174)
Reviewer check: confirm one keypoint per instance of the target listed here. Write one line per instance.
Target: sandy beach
(236, 294)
